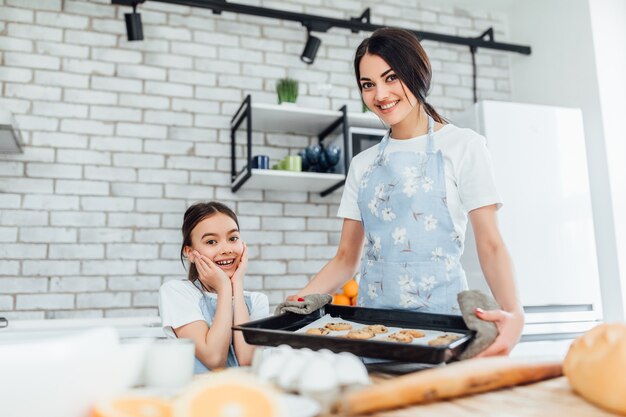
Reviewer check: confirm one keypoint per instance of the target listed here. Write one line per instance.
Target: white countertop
(127, 327)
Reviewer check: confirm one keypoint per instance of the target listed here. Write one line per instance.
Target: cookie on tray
(414, 333)
(443, 340)
(337, 326)
(376, 328)
(359, 334)
(319, 331)
(399, 337)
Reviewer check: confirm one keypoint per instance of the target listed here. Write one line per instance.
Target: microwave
(360, 139)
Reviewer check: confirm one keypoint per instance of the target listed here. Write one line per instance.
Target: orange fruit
(351, 288)
(225, 394)
(133, 406)
(341, 299)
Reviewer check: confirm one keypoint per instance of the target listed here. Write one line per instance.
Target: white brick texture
(121, 137)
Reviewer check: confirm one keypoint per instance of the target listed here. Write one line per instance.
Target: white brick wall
(122, 136)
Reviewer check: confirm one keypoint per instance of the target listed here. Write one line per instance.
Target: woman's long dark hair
(404, 54)
(194, 215)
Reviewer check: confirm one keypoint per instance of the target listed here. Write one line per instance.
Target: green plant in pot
(287, 90)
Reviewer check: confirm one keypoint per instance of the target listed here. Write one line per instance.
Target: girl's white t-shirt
(468, 170)
(179, 304)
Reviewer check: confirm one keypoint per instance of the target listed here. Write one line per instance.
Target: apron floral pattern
(208, 305)
(412, 254)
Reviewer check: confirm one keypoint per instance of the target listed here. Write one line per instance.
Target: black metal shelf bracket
(342, 120)
(245, 113)
(323, 24)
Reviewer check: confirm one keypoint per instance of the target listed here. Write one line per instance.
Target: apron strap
(381, 146)
(430, 143)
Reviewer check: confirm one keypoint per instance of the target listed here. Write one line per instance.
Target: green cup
(293, 163)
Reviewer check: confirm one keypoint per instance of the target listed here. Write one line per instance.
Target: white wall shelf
(292, 119)
(278, 180)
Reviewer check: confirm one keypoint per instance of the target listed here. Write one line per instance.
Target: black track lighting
(310, 49)
(134, 29)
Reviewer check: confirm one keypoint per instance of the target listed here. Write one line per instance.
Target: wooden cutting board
(548, 398)
(450, 381)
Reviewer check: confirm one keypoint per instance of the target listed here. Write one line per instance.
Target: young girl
(205, 306)
(410, 198)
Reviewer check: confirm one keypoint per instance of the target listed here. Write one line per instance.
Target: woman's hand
(211, 275)
(240, 272)
(509, 327)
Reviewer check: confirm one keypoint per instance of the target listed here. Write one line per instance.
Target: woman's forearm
(335, 273)
(498, 270)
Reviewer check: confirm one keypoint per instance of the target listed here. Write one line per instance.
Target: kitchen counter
(547, 398)
(127, 328)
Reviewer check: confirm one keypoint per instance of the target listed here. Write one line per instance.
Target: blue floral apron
(412, 252)
(208, 305)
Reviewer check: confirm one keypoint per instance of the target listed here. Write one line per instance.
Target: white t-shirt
(179, 304)
(470, 182)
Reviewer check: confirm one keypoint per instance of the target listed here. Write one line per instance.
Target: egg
(319, 381)
(291, 371)
(270, 367)
(350, 370)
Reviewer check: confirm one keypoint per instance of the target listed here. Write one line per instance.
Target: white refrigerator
(540, 166)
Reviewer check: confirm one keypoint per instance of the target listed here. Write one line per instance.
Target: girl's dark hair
(194, 215)
(404, 54)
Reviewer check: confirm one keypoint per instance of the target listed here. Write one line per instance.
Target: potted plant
(287, 90)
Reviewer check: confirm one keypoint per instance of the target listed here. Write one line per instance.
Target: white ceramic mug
(169, 363)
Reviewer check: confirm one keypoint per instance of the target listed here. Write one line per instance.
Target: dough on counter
(414, 333)
(443, 340)
(320, 331)
(399, 337)
(376, 328)
(359, 334)
(337, 326)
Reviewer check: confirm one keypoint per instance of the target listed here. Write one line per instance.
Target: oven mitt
(486, 331)
(311, 303)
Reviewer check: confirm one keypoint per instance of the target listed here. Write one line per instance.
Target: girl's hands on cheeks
(211, 275)
(240, 272)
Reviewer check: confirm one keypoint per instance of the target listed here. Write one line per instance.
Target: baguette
(454, 380)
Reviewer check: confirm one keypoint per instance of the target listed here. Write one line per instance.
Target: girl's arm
(243, 351)
(212, 344)
(344, 264)
(498, 270)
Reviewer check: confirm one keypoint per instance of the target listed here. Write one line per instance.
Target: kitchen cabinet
(292, 119)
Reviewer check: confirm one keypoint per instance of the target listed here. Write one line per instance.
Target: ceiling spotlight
(310, 49)
(134, 28)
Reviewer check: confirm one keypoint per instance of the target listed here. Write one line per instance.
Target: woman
(409, 198)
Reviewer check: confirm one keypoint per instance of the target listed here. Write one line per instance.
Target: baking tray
(279, 330)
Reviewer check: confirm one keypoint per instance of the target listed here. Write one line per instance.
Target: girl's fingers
(202, 266)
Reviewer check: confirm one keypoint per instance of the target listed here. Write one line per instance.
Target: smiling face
(384, 93)
(217, 238)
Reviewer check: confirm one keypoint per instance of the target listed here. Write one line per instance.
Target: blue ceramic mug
(261, 162)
